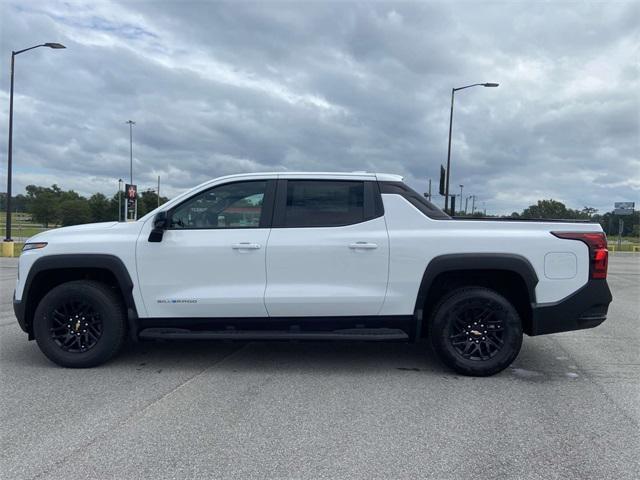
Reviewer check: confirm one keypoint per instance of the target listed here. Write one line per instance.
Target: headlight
(33, 246)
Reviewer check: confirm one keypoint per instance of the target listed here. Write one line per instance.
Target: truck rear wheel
(476, 331)
(80, 324)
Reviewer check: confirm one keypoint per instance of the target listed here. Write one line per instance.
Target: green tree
(148, 201)
(555, 210)
(74, 211)
(18, 202)
(43, 203)
(545, 209)
(113, 207)
(100, 208)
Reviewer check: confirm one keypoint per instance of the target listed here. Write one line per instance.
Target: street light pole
(131, 124)
(453, 92)
(446, 184)
(10, 146)
(7, 229)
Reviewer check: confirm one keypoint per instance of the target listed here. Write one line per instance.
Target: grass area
(628, 244)
(635, 240)
(625, 247)
(22, 225)
(23, 230)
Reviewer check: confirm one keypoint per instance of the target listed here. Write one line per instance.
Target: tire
(475, 331)
(80, 324)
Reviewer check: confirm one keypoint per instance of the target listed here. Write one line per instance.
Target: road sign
(442, 180)
(131, 205)
(623, 208)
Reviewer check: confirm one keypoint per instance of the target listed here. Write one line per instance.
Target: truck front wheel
(475, 331)
(80, 324)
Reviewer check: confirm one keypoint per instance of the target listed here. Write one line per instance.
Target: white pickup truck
(311, 256)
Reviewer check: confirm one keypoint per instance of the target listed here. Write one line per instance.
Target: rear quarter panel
(416, 239)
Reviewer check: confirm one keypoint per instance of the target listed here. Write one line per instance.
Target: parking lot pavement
(568, 408)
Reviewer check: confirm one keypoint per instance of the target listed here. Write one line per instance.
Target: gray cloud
(218, 88)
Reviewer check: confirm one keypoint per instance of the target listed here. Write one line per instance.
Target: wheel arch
(510, 274)
(50, 271)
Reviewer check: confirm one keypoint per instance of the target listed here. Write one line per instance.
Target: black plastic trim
(18, 310)
(414, 198)
(521, 219)
(585, 308)
(351, 334)
(405, 323)
(473, 261)
(79, 261)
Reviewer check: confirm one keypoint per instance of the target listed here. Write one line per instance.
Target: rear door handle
(363, 246)
(245, 246)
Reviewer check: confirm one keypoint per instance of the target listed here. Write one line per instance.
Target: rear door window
(324, 203)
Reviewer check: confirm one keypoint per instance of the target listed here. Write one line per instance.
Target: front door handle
(363, 246)
(245, 246)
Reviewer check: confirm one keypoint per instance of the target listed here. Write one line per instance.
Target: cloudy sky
(218, 88)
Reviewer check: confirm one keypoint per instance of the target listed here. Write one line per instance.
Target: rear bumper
(586, 308)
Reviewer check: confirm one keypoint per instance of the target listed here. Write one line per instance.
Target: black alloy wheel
(80, 324)
(75, 325)
(475, 331)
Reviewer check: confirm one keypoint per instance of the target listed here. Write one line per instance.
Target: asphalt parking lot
(568, 408)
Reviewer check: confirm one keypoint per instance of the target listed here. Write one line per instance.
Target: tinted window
(235, 205)
(320, 203)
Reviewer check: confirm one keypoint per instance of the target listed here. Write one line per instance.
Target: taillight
(598, 253)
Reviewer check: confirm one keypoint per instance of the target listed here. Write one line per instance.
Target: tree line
(52, 205)
(555, 210)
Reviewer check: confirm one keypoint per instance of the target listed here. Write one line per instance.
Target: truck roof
(388, 177)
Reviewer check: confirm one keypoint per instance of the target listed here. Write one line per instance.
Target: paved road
(569, 408)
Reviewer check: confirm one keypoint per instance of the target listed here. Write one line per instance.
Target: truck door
(328, 251)
(211, 260)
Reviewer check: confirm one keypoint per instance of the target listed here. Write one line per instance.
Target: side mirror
(160, 224)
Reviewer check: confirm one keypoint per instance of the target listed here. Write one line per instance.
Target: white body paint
(311, 271)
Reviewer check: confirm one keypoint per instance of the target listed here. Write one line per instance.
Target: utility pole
(473, 205)
(131, 124)
(620, 230)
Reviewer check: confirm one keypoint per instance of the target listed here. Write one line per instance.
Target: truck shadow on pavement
(316, 357)
(285, 356)
(536, 362)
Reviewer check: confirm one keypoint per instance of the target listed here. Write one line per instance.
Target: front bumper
(586, 308)
(18, 309)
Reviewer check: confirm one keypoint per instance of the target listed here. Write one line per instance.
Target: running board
(350, 334)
